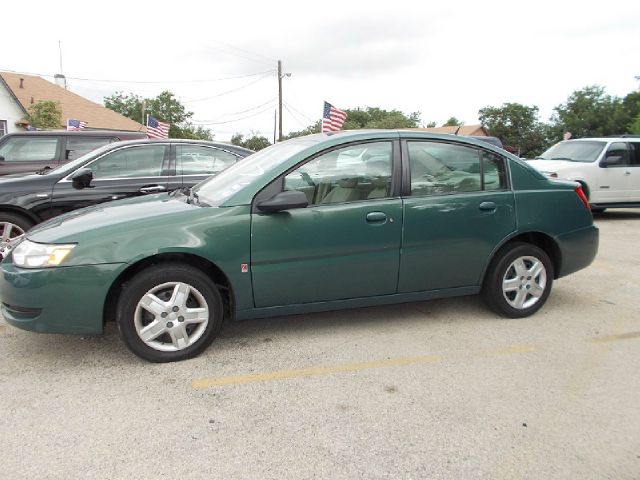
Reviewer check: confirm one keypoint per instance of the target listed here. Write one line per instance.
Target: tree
(590, 112)
(254, 142)
(631, 107)
(165, 108)
(453, 122)
(310, 130)
(45, 115)
(372, 117)
(517, 126)
(129, 106)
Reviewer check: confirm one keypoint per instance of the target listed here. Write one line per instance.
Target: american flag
(73, 125)
(156, 129)
(332, 118)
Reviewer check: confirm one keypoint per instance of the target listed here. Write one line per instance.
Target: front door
(345, 244)
(458, 209)
(123, 173)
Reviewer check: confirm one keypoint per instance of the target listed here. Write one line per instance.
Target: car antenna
(457, 130)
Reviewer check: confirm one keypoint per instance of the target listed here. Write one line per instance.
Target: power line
(299, 112)
(268, 102)
(294, 116)
(226, 92)
(148, 81)
(237, 119)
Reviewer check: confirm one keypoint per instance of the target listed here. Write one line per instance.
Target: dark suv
(28, 152)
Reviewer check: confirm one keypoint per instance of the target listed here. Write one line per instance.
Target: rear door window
(199, 160)
(24, 149)
(78, 146)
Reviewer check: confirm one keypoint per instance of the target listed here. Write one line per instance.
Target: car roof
(83, 133)
(613, 138)
(227, 146)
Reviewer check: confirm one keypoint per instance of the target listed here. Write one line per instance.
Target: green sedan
(322, 222)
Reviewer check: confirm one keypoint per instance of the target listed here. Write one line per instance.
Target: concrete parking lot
(440, 389)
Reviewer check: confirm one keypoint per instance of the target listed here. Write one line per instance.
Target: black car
(26, 152)
(114, 171)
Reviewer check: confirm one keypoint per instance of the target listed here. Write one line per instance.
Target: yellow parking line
(313, 371)
(614, 338)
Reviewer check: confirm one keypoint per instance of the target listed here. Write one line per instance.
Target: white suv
(608, 168)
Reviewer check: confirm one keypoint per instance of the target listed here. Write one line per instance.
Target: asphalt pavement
(432, 390)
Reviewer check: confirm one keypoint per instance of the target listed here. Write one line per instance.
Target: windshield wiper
(44, 170)
(563, 158)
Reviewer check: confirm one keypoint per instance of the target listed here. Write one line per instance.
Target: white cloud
(442, 60)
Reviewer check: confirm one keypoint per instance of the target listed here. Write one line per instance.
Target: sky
(442, 59)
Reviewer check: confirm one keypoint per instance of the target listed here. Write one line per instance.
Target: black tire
(159, 281)
(8, 223)
(597, 209)
(501, 276)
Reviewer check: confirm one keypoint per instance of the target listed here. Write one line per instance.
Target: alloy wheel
(171, 316)
(524, 282)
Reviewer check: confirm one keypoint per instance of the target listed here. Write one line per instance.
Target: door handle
(627, 172)
(152, 189)
(376, 217)
(487, 206)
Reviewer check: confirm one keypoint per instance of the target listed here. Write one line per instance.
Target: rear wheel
(518, 281)
(12, 226)
(169, 312)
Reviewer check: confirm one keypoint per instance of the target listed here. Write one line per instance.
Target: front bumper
(56, 300)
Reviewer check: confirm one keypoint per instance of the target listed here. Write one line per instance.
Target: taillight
(583, 197)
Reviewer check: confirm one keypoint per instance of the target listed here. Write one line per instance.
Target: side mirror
(82, 178)
(1, 158)
(611, 161)
(284, 201)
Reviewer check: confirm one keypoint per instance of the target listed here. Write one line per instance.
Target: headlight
(550, 174)
(31, 254)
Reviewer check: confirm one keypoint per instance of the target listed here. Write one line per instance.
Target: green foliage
(192, 132)
(590, 112)
(254, 142)
(452, 122)
(129, 106)
(517, 126)
(635, 126)
(45, 115)
(165, 107)
(372, 117)
(431, 124)
(631, 107)
(311, 129)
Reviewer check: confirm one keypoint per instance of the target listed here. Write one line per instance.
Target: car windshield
(574, 151)
(215, 190)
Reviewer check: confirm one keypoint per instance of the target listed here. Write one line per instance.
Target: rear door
(125, 172)
(457, 208)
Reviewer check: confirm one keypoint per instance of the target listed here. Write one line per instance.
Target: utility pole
(279, 101)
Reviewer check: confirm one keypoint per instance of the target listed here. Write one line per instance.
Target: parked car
(28, 152)
(291, 229)
(608, 168)
(114, 171)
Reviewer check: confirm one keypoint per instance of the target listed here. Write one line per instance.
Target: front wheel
(518, 281)
(169, 312)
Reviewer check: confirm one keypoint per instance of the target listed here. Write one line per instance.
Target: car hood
(26, 183)
(120, 216)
